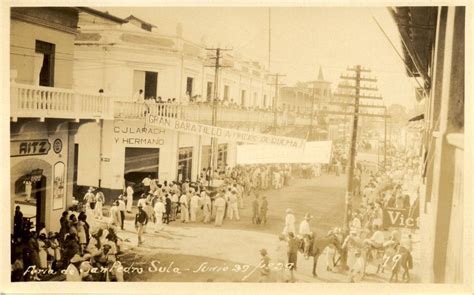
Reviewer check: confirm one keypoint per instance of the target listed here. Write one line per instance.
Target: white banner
(225, 133)
(313, 152)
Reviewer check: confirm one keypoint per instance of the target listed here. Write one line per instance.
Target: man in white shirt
(139, 96)
(129, 198)
(233, 206)
(289, 222)
(206, 202)
(193, 206)
(305, 232)
(219, 203)
(122, 208)
(159, 210)
(183, 201)
(174, 203)
(147, 182)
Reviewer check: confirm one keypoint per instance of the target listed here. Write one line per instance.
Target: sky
(302, 40)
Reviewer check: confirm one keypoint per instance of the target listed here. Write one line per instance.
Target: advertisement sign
(393, 217)
(224, 133)
(20, 148)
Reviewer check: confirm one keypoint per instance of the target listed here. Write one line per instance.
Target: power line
(399, 55)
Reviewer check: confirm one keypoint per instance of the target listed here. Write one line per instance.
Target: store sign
(20, 148)
(127, 135)
(36, 175)
(224, 133)
(393, 217)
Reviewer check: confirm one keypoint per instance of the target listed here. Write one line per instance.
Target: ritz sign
(20, 148)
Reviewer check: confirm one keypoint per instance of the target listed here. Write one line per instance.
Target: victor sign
(393, 217)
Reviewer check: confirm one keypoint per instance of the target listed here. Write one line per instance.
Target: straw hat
(308, 216)
(76, 258)
(289, 210)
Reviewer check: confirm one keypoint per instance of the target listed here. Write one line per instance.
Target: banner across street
(224, 133)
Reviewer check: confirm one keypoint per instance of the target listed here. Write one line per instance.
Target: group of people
(396, 187)
(79, 251)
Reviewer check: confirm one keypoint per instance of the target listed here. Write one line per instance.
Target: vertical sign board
(393, 217)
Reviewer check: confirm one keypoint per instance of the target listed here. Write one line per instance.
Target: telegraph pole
(214, 147)
(385, 142)
(355, 123)
(275, 101)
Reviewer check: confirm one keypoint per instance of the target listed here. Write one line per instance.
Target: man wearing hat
(233, 206)
(122, 208)
(264, 266)
(72, 271)
(289, 222)
(219, 204)
(193, 205)
(264, 209)
(141, 219)
(183, 202)
(305, 232)
(89, 199)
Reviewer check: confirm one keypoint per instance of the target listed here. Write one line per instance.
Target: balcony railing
(49, 102)
(135, 110)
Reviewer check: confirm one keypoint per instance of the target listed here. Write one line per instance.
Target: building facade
(440, 62)
(123, 59)
(41, 58)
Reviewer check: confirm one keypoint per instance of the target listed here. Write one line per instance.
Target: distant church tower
(322, 88)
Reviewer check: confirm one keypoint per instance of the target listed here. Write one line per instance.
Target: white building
(124, 58)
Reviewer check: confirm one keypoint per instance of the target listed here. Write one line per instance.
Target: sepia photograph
(237, 144)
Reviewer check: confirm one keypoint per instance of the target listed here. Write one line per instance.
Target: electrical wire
(395, 49)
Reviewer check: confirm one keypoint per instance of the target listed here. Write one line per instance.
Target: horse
(402, 258)
(318, 245)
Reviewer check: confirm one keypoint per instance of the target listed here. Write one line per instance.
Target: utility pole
(214, 146)
(385, 141)
(269, 36)
(310, 133)
(355, 123)
(275, 101)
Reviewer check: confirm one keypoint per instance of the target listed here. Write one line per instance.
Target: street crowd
(89, 239)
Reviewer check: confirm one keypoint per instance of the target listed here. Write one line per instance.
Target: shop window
(222, 155)
(45, 51)
(242, 98)
(209, 91)
(226, 92)
(185, 161)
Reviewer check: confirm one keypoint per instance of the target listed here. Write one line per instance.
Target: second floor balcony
(29, 101)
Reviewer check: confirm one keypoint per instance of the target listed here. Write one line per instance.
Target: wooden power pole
(357, 96)
(277, 84)
(215, 97)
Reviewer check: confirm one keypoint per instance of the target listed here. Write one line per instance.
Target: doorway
(140, 163)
